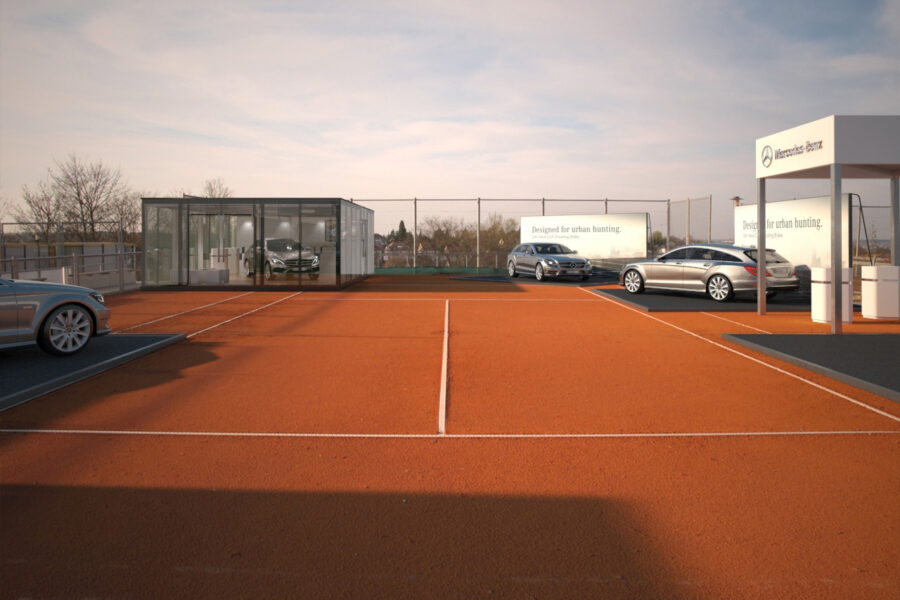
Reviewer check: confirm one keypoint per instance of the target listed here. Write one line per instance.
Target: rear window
(772, 257)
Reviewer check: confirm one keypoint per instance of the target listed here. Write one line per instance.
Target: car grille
(306, 263)
(571, 265)
(291, 263)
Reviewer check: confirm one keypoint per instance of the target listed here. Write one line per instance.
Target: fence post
(478, 236)
(543, 212)
(668, 222)
(14, 271)
(76, 276)
(688, 234)
(415, 230)
(606, 206)
(709, 222)
(120, 257)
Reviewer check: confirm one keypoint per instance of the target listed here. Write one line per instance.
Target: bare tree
(5, 207)
(85, 196)
(41, 212)
(216, 188)
(88, 194)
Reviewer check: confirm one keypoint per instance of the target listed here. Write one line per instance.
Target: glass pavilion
(256, 243)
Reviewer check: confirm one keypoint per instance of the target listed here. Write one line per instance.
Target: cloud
(573, 98)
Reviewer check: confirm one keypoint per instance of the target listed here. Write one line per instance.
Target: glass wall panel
(161, 246)
(319, 235)
(219, 236)
(280, 258)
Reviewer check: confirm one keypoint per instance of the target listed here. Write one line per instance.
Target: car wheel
(67, 330)
(719, 288)
(267, 271)
(539, 272)
(511, 269)
(248, 269)
(771, 294)
(633, 281)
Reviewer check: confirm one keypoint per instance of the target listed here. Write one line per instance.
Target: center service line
(442, 410)
(748, 357)
(249, 312)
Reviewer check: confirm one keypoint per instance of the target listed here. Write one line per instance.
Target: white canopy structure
(836, 147)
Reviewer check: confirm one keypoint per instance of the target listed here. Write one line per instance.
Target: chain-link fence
(466, 234)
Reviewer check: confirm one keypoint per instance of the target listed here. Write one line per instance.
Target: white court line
(184, 312)
(748, 357)
(249, 312)
(442, 410)
(309, 298)
(459, 436)
(736, 323)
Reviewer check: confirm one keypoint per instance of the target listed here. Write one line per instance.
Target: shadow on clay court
(156, 369)
(154, 543)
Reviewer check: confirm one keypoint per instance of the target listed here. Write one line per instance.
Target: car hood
(292, 254)
(564, 257)
(44, 287)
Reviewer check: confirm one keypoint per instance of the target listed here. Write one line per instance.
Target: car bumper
(772, 284)
(102, 324)
(550, 271)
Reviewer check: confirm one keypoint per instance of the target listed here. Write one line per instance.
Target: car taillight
(755, 271)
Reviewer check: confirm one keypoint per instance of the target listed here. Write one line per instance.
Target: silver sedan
(59, 318)
(717, 270)
(546, 260)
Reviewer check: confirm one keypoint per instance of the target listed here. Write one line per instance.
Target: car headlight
(315, 260)
(98, 297)
(587, 263)
(277, 261)
(551, 262)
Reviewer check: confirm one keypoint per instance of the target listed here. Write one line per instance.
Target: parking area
(428, 437)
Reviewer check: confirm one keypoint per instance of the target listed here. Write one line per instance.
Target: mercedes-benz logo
(767, 155)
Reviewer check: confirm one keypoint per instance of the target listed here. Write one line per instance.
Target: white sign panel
(799, 230)
(593, 236)
(805, 147)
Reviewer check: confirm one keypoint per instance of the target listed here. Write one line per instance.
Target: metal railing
(119, 271)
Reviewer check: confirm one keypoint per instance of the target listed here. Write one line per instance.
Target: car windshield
(551, 249)
(772, 257)
(281, 245)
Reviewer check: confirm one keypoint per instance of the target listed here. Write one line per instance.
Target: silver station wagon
(717, 270)
(546, 260)
(60, 318)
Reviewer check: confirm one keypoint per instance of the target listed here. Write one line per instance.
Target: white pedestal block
(822, 302)
(881, 292)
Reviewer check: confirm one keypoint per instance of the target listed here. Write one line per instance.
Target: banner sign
(799, 230)
(593, 236)
(805, 147)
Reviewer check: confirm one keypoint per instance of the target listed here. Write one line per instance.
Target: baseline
(459, 436)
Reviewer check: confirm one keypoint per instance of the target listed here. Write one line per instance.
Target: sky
(397, 99)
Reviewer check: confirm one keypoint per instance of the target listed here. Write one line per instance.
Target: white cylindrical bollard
(881, 292)
(822, 300)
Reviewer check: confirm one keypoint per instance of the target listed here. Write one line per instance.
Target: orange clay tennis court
(424, 437)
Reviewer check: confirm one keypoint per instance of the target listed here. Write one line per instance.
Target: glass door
(219, 237)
